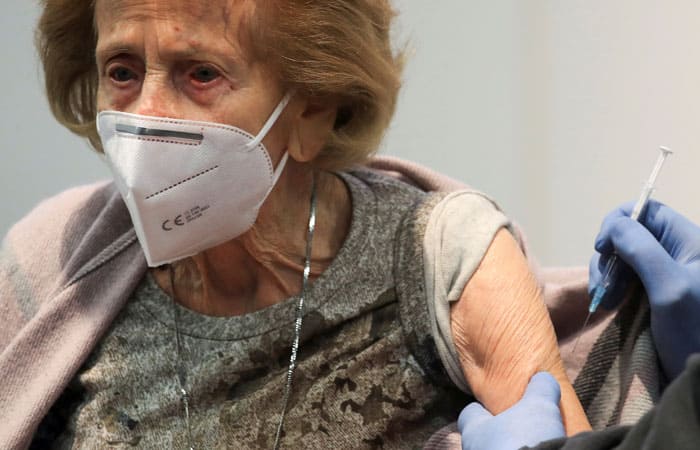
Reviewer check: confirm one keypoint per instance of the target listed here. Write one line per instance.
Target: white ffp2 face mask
(188, 185)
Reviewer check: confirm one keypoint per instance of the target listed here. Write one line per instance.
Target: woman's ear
(312, 124)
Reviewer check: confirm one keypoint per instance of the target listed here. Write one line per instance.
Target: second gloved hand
(664, 250)
(535, 418)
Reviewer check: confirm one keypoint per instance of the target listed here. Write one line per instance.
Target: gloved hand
(663, 249)
(535, 418)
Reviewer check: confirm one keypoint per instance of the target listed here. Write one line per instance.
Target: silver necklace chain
(300, 312)
(181, 370)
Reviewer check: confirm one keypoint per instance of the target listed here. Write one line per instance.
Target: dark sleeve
(672, 424)
(55, 425)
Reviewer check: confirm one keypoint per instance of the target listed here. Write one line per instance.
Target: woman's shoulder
(38, 254)
(453, 205)
(66, 210)
(385, 183)
(42, 247)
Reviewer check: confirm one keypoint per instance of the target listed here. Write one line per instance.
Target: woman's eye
(122, 74)
(204, 74)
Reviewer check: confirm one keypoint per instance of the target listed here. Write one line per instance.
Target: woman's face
(184, 59)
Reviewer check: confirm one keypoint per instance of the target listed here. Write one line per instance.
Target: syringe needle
(588, 317)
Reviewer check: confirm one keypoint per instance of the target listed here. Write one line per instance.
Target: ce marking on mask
(183, 219)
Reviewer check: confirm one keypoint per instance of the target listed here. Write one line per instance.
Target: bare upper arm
(503, 333)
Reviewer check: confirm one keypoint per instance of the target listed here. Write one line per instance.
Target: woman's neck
(265, 265)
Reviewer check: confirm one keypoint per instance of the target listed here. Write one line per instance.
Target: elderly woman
(160, 310)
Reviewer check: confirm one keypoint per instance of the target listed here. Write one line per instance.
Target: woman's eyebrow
(106, 51)
(192, 49)
(181, 51)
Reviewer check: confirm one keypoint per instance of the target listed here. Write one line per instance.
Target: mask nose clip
(158, 133)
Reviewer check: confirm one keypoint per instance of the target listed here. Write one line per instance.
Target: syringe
(612, 265)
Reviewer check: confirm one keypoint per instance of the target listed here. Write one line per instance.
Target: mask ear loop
(271, 120)
(263, 132)
(275, 176)
(279, 168)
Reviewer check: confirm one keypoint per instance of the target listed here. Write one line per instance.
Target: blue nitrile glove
(535, 418)
(664, 251)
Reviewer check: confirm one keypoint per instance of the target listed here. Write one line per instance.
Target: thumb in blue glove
(535, 418)
(663, 249)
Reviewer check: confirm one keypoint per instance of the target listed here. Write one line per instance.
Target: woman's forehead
(202, 12)
(192, 25)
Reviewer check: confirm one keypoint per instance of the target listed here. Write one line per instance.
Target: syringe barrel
(611, 270)
(602, 290)
(642, 201)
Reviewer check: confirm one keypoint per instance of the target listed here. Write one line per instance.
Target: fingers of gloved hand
(471, 416)
(602, 243)
(637, 247)
(677, 234)
(540, 403)
(664, 223)
(542, 389)
(616, 293)
(533, 419)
